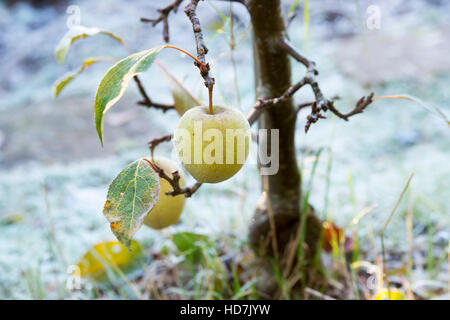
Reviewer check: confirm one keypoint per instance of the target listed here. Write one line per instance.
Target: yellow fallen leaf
(383, 294)
(105, 255)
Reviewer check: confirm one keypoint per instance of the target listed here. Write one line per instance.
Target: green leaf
(108, 255)
(183, 99)
(115, 82)
(293, 7)
(79, 32)
(131, 195)
(190, 244)
(68, 77)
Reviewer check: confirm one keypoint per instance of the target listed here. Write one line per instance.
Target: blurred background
(54, 174)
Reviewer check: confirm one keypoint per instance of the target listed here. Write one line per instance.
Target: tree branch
(204, 67)
(360, 106)
(310, 65)
(155, 142)
(262, 104)
(321, 103)
(147, 102)
(164, 18)
(175, 182)
(202, 50)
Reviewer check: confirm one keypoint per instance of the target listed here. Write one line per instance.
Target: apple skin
(223, 118)
(167, 210)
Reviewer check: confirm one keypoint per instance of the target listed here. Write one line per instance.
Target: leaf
(332, 235)
(183, 99)
(79, 32)
(67, 78)
(11, 219)
(115, 81)
(190, 244)
(130, 197)
(105, 255)
(293, 7)
(392, 294)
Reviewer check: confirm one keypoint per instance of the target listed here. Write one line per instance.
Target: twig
(316, 111)
(155, 142)
(322, 104)
(201, 47)
(164, 18)
(303, 105)
(262, 104)
(310, 65)
(286, 95)
(254, 114)
(147, 102)
(202, 50)
(151, 104)
(360, 106)
(291, 17)
(175, 182)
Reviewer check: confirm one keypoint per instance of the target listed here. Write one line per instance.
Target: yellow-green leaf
(115, 81)
(79, 32)
(392, 294)
(106, 255)
(183, 99)
(293, 7)
(131, 195)
(68, 77)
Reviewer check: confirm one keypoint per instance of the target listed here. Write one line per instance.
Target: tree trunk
(282, 191)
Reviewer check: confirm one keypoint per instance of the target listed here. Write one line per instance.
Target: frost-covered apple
(212, 147)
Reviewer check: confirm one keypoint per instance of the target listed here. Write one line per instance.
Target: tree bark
(282, 192)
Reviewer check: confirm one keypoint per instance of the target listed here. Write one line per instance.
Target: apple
(212, 146)
(168, 209)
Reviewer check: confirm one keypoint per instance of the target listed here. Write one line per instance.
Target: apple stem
(210, 91)
(203, 68)
(185, 52)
